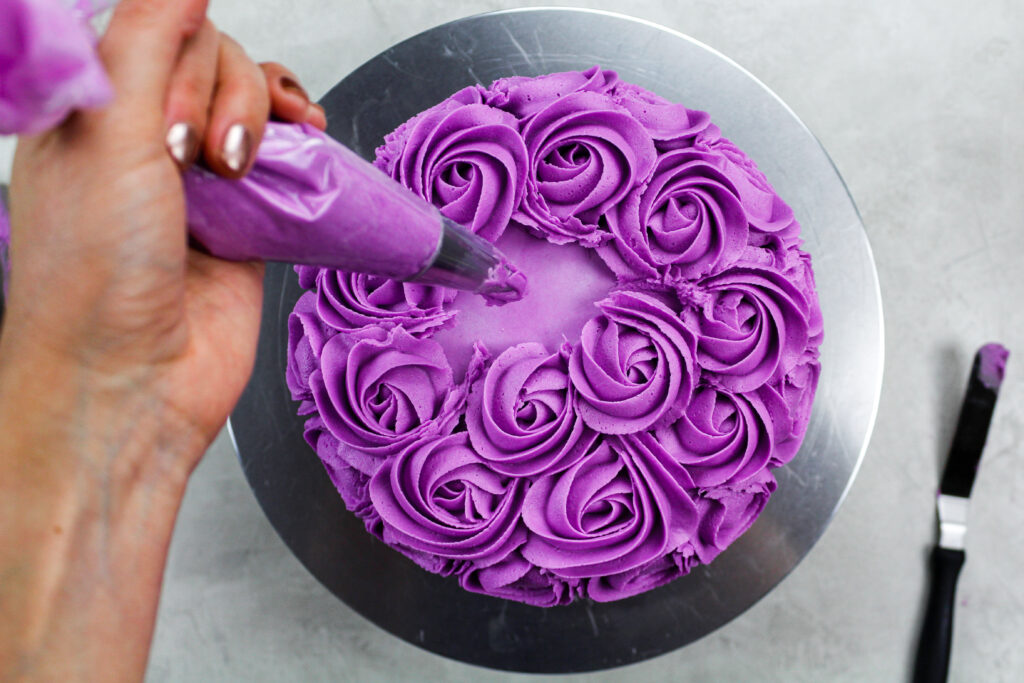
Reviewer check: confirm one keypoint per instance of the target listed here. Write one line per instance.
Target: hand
(103, 281)
(122, 351)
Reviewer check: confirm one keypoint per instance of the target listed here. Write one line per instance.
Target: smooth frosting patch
(619, 424)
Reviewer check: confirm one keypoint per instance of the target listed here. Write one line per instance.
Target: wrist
(90, 484)
(58, 416)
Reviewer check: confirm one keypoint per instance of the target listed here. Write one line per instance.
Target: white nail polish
(237, 146)
(181, 140)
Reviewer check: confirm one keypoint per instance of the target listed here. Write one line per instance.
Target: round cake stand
(434, 612)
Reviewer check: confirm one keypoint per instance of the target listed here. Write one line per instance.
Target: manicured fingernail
(237, 148)
(291, 85)
(315, 110)
(182, 142)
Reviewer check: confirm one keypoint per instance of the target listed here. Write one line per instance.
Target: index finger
(141, 46)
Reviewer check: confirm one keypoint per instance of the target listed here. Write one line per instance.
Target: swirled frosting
(686, 221)
(465, 157)
(633, 367)
(585, 154)
(349, 302)
(624, 424)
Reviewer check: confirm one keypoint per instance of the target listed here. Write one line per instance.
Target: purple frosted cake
(620, 424)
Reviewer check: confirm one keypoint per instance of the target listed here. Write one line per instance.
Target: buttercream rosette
(522, 417)
(634, 365)
(771, 220)
(585, 155)
(378, 392)
(630, 453)
(446, 506)
(348, 302)
(467, 158)
(686, 222)
(671, 125)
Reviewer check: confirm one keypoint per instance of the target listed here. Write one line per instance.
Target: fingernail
(237, 148)
(291, 85)
(182, 142)
(314, 109)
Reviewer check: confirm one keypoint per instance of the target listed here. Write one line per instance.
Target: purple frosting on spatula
(575, 458)
(992, 368)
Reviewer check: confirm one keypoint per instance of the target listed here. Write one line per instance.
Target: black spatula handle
(937, 632)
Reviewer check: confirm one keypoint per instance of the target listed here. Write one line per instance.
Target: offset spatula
(948, 556)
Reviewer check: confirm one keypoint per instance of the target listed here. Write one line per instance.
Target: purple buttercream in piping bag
(307, 200)
(310, 200)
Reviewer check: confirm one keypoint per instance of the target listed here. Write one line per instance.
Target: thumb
(140, 50)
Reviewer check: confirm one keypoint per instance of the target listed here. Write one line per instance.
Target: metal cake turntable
(435, 613)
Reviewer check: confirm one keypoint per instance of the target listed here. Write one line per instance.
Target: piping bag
(310, 200)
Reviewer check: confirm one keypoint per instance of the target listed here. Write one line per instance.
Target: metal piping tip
(466, 261)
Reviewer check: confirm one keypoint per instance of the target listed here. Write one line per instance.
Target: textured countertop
(919, 103)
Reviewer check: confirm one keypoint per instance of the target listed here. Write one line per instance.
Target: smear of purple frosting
(639, 448)
(505, 284)
(992, 365)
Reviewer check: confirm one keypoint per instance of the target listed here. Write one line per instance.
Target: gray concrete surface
(919, 103)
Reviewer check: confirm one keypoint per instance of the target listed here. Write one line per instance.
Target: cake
(618, 426)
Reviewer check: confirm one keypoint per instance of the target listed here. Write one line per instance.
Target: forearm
(88, 498)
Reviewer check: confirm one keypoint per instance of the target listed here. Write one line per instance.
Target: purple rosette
(379, 392)
(670, 124)
(520, 415)
(586, 153)
(387, 154)
(752, 325)
(306, 338)
(513, 578)
(726, 512)
(353, 301)
(619, 508)
(686, 222)
(634, 365)
(468, 160)
(771, 220)
(524, 96)
(648, 577)
(725, 438)
(438, 499)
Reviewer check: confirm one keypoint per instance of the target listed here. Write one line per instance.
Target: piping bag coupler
(310, 200)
